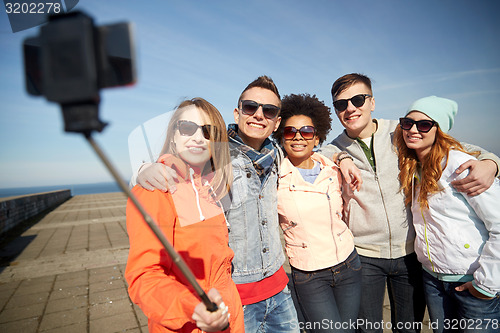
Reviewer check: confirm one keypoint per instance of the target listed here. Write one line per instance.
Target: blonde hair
(220, 161)
(430, 167)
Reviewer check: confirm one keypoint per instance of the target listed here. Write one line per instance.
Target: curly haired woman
(326, 269)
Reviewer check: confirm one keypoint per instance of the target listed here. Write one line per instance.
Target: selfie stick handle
(176, 258)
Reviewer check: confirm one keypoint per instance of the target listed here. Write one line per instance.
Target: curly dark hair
(307, 105)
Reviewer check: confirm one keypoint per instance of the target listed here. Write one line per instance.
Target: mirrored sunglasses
(423, 126)
(249, 107)
(357, 100)
(307, 132)
(188, 128)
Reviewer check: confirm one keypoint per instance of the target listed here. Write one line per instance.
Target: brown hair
(346, 81)
(220, 161)
(264, 82)
(431, 168)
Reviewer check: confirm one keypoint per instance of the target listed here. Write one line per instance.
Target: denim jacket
(253, 221)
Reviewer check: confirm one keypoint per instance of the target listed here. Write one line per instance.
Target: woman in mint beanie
(457, 235)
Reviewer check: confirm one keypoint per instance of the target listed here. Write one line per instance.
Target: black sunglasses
(307, 132)
(423, 126)
(249, 107)
(188, 128)
(358, 101)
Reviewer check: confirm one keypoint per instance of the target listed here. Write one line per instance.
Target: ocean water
(76, 189)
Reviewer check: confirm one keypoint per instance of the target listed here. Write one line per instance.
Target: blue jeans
(452, 311)
(330, 298)
(275, 314)
(403, 277)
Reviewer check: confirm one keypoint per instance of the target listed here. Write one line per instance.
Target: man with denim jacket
(253, 217)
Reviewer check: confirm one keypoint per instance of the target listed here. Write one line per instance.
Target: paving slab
(65, 273)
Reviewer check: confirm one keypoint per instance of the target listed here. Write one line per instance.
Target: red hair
(430, 167)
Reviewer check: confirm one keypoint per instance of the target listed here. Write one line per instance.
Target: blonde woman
(192, 219)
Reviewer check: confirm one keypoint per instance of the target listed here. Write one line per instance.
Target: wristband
(342, 156)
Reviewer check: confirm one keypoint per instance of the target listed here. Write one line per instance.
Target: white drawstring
(191, 172)
(217, 202)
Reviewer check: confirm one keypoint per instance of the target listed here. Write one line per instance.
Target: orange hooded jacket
(196, 227)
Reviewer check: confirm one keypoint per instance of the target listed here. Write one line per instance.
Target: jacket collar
(200, 187)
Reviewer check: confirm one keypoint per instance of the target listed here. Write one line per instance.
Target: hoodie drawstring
(191, 172)
(212, 193)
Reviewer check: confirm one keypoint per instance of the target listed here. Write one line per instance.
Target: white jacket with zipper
(460, 234)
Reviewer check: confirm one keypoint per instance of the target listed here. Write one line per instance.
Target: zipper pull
(293, 224)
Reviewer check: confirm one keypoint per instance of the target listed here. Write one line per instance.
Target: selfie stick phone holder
(68, 63)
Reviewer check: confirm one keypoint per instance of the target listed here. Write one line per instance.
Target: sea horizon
(76, 189)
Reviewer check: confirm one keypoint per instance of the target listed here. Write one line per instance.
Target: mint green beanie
(441, 110)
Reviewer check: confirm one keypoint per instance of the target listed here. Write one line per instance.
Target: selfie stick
(68, 64)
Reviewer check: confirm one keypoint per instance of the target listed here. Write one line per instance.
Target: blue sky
(213, 49)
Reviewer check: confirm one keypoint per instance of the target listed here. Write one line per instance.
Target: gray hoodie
(377, 216)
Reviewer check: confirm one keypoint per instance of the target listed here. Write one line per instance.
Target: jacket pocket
(302, 245)
(341, 235)
(286, 225)
(350, 215)
(239, 188)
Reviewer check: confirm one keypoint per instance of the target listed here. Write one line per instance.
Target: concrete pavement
(65, 273)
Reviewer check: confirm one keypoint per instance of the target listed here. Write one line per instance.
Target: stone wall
(15, 210)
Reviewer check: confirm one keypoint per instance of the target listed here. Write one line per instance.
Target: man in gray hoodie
(377, 216)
